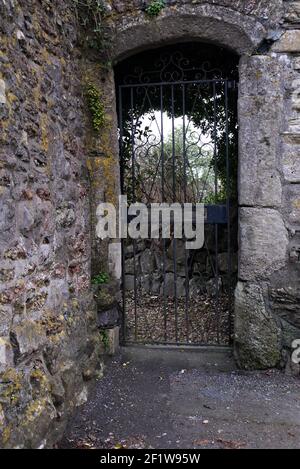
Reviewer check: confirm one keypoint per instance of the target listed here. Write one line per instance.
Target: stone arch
(203, 23)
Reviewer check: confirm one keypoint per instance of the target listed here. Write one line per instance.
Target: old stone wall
(49, 343)
(54, 169)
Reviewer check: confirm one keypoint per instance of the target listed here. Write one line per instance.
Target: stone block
(139, 247)
(156, 284)
(292, 14)
(6, 314)
(145, 282)
(147, 262)
(81, 397)
(28, 337)
(257, 334)
(65, 217)
(291, 368)
(2, 92)
(285, 302)
(289, 334)
(259, 178)
(263, 243)
(291, 157)
(112, 340)
(2, 419)
(129, 282)
(132, 265)
(169, 286)
(7, 220)
(214, 286)
(6, 353)
(289, 42)
(197, 286)
(295, 99)
(169, 267)
(177, 248)
(296, 63)
(294, 253)
(260, 76)
(109, 318)
(292, 204)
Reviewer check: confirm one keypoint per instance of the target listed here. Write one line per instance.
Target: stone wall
(54, 170)
(49, 343)
(145, 262)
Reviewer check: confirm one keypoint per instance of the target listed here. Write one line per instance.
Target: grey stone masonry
(49, 341)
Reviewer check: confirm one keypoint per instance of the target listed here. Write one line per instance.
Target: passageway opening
(178, 137)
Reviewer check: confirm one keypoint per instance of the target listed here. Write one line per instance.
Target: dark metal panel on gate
(216, 214)
(213, 214)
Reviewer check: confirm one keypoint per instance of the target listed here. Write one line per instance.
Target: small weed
(105, 339)
(100, 279)
(155, 7)
(91, 14)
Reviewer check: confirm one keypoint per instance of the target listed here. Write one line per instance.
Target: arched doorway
(263, 236)
(179, 144)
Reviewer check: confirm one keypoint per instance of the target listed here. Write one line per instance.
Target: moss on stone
(12, 381)
(34, 410)
(40, 381)
(6, 434)
(53, 325)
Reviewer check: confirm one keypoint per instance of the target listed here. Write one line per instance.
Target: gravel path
(154, 398)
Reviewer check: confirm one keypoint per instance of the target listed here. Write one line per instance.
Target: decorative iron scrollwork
(173, 67)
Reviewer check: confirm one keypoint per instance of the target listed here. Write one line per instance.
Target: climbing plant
(155, 7)
(100, 279)
(91, 14)
(96, 106)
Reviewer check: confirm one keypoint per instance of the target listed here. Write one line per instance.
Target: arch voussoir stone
(204, 23)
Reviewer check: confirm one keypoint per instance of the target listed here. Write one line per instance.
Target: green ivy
(96, 106)
(105, 339)
(217, 199)
(155, 7)
(100, 279)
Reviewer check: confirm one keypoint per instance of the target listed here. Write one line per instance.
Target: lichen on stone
(10, 386)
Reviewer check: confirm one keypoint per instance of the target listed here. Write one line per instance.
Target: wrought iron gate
(178, 143)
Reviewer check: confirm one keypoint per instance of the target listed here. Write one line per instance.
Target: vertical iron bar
(122, 192)
(174, 200)
(216, 225)
(187, 283)
(228, 212)
(133, 200)
(163, 201)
